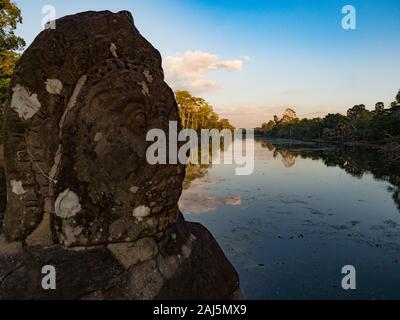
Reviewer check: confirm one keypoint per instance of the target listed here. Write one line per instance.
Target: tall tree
(10, 44)
(268, 126)
(356, 112)
(379, 107)
(396, 104)
(196, 113)
(289, 116)
(276, 120)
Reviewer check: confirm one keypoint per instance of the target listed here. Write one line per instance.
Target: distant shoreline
(362, 144)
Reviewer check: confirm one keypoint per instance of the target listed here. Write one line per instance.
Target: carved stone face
(107, 192)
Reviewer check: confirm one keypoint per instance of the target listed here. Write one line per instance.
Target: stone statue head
(106, 190)
(82, 99)
(82, 103)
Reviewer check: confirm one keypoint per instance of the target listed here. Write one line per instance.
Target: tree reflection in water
(355, 160)
(196, 171)
(196, 197)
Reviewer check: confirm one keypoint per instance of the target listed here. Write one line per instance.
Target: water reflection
(356, 161)
(198, 195)
(200, 198)
(306, 211)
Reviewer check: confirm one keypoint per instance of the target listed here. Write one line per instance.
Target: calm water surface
(304, 213)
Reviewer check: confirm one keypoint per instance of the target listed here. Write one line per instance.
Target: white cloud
(188, 71)
(199, 199)
(246, 58)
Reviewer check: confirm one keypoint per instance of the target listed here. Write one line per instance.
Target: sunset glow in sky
(251, 58)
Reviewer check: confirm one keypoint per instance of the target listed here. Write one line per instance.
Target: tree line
(10, 45)
(196, 113)
(380, 125)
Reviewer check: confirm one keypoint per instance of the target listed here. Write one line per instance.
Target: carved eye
(140, 116)
(140, 119)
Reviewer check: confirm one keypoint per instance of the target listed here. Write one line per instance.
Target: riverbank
(388, 147)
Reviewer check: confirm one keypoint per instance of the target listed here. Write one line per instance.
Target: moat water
(305, 212)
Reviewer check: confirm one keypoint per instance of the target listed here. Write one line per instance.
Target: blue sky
(251, 59)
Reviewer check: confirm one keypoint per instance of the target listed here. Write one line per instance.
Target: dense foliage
(359, 124)
(197, 114)
(10, 16)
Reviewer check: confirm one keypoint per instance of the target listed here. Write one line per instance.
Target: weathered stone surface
(95, 273)
(83, 98)
(81, 195)
(206, 274)
(78, 273)
(42, 235)
(131, 253)
(9, 248)
(145, 281)
(168, 265)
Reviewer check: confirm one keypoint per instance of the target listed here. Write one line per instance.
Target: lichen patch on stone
(141, 211)
(67, 204)
(98, 136)
(70, 234)
(57, 159)
(145, 88)
(148, 76)
(17, 187)
(54, 86)
(134, 189)
(72, 102)
(113, 50)
(24, 103)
